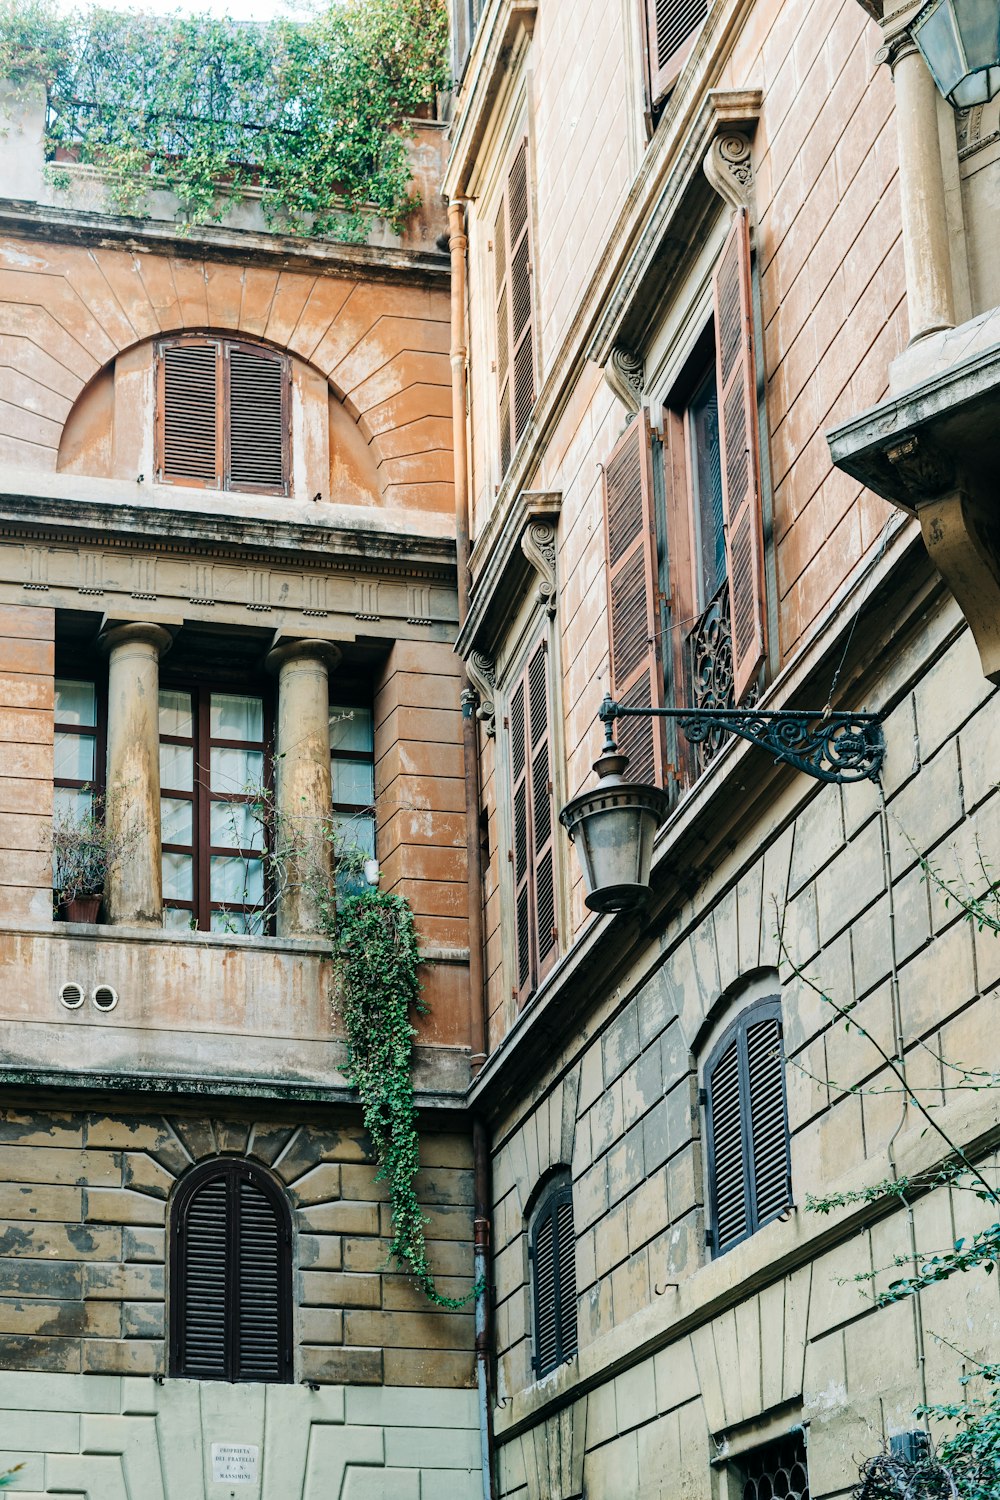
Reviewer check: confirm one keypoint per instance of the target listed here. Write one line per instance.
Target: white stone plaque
(234, 1463)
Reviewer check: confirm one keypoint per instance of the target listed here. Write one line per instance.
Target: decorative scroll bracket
(834, 747)
(538, 543)
(625, 373)
(729, 168)
(481, 671)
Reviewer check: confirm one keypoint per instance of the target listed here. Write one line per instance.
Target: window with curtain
(352, 773)
(749, 1168)
(230, 1275)
(552, 1251)
(214, 754)
(79, 746)
(223, 415)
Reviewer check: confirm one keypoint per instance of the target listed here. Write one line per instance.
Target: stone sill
(308, 947)
(772, 1254)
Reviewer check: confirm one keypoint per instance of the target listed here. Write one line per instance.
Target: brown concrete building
(720, 331)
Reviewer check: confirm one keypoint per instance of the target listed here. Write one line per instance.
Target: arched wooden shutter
(670, 31)
(630, 550)
(533, 818)
(740, 453)
(230, 1284)
(189, 412)
(515, 362)
(258, 420)
(552, 1247)
(749, 1165)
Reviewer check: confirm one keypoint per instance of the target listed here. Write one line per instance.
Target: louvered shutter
(542, 814)
(515, 363)
(769, 1165)
(630, 543)
(258, 420)
(730, 1215)
(230, 1277)
(520, 852)
(670, 30)
(204, 1283)
(189, 413)
(259, 1345)
(740, 454)
(553, 1253)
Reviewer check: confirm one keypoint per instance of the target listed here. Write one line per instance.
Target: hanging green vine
(377, 954)
(315, 113)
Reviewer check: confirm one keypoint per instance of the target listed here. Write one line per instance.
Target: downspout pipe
(458, 245)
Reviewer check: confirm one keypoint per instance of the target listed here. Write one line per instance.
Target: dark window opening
(776, 1469)
(230, 1276)
(747, 1136)
(552, 1248)
(223, 415)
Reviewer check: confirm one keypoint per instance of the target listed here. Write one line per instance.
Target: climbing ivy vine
(314, 113)
(378, 992)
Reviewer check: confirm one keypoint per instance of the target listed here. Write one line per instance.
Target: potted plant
(84, 851)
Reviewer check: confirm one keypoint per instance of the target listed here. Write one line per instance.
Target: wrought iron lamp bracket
(834, 747)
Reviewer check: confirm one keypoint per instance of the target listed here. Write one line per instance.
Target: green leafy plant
(378, 992)
(314, 114)
(84, 852)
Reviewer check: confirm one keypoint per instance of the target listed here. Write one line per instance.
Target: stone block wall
(84, 1200)
(681, 1351)
(27, 636)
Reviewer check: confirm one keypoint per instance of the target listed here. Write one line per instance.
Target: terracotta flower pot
(83, 908)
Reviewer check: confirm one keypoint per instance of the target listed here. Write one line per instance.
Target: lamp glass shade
(613, 828)
(960, 43)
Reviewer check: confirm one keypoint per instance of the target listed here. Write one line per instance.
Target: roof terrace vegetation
(313, 113)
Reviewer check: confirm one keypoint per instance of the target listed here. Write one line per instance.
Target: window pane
(235, 717)
(72, 805)
(176, 820)
(249, 923)
(175, 713)
(707, 466)
(354, 833)
(177, 877)
(177, 767)
(75, 756)
(236, 770)
(350, 728)
(177, 919)
(353, 782)
(237, 882)
(236, 825)
(76, 702)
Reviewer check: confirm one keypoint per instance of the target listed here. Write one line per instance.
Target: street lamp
(960, 43)
(614, 825)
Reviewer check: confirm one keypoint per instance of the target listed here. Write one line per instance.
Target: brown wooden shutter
(521, 852)
(545, 932)
(258, 419)
(768, 1120)
(630, 541)
(670, 31)
(189, 413)
(730, 1210)
(740, 453)
(515, 363)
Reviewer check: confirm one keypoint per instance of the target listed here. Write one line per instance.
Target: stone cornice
(253, 540)
(30, 220)
(525, 545)
(497, 34)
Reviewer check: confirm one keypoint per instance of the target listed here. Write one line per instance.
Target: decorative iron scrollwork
(710, 648)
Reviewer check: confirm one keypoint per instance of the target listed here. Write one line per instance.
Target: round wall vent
(105, 997)
(71, 996)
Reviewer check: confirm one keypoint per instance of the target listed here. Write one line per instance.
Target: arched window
(230, 1275)
(222, 415)
(747, 1126)
(552, 1250)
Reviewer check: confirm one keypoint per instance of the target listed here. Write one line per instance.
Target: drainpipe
(481, 1157)
(457, 244)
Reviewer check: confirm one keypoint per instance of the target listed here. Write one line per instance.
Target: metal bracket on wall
(835, 747)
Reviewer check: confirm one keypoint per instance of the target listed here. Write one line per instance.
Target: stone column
(303, 792)
(134, 894)
(930, 297)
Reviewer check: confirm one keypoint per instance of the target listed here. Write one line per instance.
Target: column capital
(307, 650)
(146, 632)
